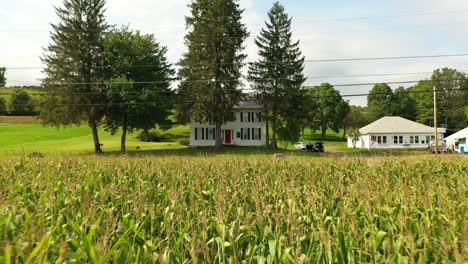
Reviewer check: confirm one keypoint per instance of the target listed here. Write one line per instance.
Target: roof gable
(460, 134)
(396, 124)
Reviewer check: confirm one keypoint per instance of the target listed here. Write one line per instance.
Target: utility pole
(436, 146)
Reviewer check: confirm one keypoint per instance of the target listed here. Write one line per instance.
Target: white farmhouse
(393, 132)
(457, 142)
(248, 128)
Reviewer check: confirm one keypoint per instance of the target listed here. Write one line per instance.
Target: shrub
(3, 106)
(184, 142)
(21, 103)
(152, 136)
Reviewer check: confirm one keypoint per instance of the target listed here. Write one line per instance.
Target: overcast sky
(332, 29)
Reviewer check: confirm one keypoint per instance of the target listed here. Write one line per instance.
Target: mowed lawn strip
(26, 138)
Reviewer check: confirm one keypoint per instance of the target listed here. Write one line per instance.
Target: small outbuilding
(394, 132)
(457, 141)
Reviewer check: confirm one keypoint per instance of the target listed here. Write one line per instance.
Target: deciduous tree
(330, 112)
(2, 76)
(405, 106)
(422, 95)
(139, 97)
(3, 106)
(355, 136)
(381, 101)
(452, 97)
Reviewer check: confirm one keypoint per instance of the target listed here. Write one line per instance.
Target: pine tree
(277, 76)
(75, 67)
(211, 68)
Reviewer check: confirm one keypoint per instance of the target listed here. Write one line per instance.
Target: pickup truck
(442, 148)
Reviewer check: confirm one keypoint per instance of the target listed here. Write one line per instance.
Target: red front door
(227, 137)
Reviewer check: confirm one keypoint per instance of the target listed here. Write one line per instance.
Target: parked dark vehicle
(317, 147)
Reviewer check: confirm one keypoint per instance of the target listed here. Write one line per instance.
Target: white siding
(403, 141)
(457, 141)
(248, 122)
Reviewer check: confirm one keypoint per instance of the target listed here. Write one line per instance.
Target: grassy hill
(26, 138)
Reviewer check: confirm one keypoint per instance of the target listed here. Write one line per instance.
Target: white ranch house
(393, 132)
(457, 142)
(248, 128)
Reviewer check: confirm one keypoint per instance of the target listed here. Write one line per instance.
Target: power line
(299, 21)
(193, 101)
(280, 63)
(246, 79)
(240, 89)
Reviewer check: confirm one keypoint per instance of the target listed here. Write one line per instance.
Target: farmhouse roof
(249, 105)
(396, 124)
(460, 134)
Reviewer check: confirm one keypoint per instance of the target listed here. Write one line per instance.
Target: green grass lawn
(23, 136)
(27, 138)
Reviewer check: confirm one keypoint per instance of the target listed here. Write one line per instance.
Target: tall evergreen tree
(277, 76)
(75, 68)
(211, 69)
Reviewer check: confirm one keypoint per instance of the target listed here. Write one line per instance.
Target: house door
(227, 137)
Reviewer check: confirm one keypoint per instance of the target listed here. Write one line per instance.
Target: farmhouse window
(411, 140)
(212, 133)
(257, 117)
(373, 139)
(416, 139)
(257, 133)
(245, 132)
(379, 140)
(395, 140)
(238, 135)
(427, 139)
(384, 139)
(400, 140)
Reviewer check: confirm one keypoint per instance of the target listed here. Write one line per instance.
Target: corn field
(233, 209)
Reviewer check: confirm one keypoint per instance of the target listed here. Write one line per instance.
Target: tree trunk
(97, 144)
(273, 134)
(324, 132)
(344, 132)
(267, 133)
(123, 139)
(219, 142)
